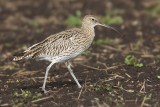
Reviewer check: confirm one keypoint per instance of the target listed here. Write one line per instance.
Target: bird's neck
(88, 31)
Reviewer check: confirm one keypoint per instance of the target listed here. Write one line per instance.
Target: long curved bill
(104, 25)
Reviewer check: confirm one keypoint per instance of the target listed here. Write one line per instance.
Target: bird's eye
(93, 20)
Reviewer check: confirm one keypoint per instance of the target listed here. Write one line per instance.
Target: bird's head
(91, 21)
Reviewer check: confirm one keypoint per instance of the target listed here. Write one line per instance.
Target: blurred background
(130, 62)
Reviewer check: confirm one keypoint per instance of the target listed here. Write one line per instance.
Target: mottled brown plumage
(64, 46)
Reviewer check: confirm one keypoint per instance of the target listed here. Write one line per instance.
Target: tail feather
(31, 52)
(17, 58)
(25, 56)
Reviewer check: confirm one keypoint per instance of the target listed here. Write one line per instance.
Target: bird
(64, 46)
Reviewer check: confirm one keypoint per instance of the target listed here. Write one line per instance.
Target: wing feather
(52, 45)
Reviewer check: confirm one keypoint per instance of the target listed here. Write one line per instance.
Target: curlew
(63, 46)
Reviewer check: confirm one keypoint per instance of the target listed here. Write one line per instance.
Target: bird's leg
(71, 72)
(46, 75)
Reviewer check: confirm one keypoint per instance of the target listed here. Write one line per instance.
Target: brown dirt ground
(106, 80)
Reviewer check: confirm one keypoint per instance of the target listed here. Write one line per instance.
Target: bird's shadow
(51, 85)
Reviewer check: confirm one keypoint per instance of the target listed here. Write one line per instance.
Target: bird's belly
(65, 57)
(69, 54)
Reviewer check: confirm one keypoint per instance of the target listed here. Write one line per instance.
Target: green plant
(112, 17)
(11, 67)
(149, 97)
(132, 60)
(98, 86)
(121, 98)
(21, 100)
(154, 11)
(35, 24)
(24, 98)
(106, 40)
(74, 20)
(37, 96)
(158, 56)
(109, 87)
(139, 65)
(8, 44)
(86, 53)
(90, 57)
(121, 103)
(26, 94)
(0, 101)
(16, 94)
(101, 85)
(96, 99)
(98, 67)
(158, 76)
(137, 45)
(109, 98)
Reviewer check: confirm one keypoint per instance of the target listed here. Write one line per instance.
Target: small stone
(139, 33)
(135, 23)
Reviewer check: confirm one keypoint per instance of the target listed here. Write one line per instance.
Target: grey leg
(70, 70)
(46, 75)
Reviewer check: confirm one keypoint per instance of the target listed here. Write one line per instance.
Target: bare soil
(106, 79)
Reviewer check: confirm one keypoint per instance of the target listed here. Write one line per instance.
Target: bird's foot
(79, 86)
(44, 90)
